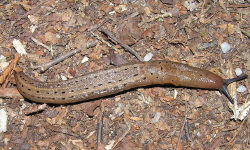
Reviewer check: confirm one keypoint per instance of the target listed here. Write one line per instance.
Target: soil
(151, 118)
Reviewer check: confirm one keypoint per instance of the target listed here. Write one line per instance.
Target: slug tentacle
(227, 82)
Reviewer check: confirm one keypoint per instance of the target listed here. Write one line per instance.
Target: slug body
(114, 80)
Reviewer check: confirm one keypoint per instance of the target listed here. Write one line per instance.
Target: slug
(115, 80)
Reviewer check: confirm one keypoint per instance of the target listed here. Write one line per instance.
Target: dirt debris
(149, 118)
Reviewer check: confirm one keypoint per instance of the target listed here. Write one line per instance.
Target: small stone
(238, 71)
(3, 120)
(225, 47)
(241, 89)
(85, 59)
(148, 57)
(156, 117)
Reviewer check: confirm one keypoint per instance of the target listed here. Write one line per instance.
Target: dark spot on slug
(136, 75)
(120, 80)
(37, 91)
(63, 92)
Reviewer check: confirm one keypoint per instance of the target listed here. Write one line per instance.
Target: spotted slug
(118, 79)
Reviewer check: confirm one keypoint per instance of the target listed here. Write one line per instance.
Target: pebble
(148, 57)
(238, 71)
(225, 47)
(241, 89)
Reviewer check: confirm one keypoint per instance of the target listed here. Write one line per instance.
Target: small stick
(232, 141)
(125, 133)
(166, 14)
(34, 109)
(125, 46)
(10, 93)
(97, 26)
(40, 43)
(53, 129)
(6, 73)
(183, 127)
(103, 41)
(46, 66)
(245, 33)
(33, 10)
(187, 131)
(99, 136)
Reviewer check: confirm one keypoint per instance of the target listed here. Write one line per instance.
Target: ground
(164, 117)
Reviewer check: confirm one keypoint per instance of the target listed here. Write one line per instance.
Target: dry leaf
(51, 37)
(8, 70)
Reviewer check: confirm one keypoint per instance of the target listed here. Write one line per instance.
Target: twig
(183, 127)
(99, 131)
(231, 142)
(6, 73)
(40, 43)
(44, 67)
(125, 133)
(238, 6)
(3, 2)
(33, 10)
(245, 33)
(99, 136)
(103, 41)
(64, 132)
(125, 46)
(187, 131)
(222, 5)
(97, 26)
(10, 93)
(35, 109)
(166, 14)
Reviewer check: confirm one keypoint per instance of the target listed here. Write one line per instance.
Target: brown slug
(114, 80)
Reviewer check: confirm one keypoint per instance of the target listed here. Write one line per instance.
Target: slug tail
(224, 89)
